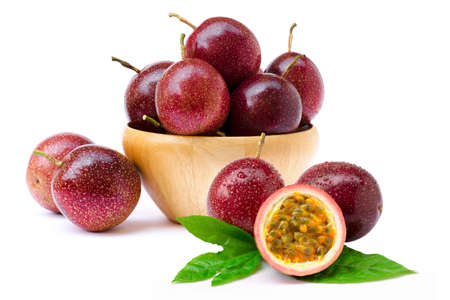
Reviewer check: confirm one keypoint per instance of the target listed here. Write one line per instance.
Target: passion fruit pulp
(300, 230)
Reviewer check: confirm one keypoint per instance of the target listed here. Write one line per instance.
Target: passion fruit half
(300, 230)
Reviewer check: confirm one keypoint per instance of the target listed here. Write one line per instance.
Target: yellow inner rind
(299, 229)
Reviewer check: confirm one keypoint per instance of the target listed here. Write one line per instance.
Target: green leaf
(238, 267)
(239, 258)
(202, 267)
(212, 230)
(353, 266)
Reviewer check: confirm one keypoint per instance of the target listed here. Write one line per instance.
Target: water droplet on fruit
(241, 175)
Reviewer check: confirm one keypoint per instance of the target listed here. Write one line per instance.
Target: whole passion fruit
(300, 230)
(354, 189)
(40, 170)
(239, 189)
(237, 192)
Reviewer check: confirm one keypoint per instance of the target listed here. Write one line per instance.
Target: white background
(385, 66)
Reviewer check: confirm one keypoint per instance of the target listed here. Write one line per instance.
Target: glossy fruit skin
(140, 93)
(264, 103)
(239, 189)
(96, 187)
(307, 80)
(354, 189)
(192, 98)
(40, 170)
(229, 46)
(305, 269)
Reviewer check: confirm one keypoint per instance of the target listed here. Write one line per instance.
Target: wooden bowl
(178, 170)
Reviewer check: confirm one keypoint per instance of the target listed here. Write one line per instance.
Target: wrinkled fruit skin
(239, 189)
(40, 170)
(264, 103)
(96, 188)
(192, 98)
(311, 267)
(140, 93)
(229, 46)
(307, 80)
(354, 189)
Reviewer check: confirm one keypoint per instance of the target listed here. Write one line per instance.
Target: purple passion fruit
(354, 189)
(96, 188)
(40, 170)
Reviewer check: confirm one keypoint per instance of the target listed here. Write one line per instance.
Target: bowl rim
(235, 137)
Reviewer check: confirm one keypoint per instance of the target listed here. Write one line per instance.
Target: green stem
(49, 157)
(151, 120)
(125, 64)
(183, 48)
(262, 138)
(291, 65)
(183, 20)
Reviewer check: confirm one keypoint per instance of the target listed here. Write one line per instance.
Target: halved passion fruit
(300, 230)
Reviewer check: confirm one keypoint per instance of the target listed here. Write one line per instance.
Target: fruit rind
(192, 98)
(239, 189)
(40, 170)
(141, 91)
(305, 268)
(218, 40)
(306, 78)
(264, 103)
(354, 189)
(96, 188)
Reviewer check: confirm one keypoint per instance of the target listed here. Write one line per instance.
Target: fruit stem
(183, 48)
(291, 65)
(220, 133)
(183, 20)
(290, 36)
(151, 120)
(49, 157)
(157, 124)
(262, 138)
(125, 64)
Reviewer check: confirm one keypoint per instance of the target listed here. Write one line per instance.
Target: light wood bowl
(178, 170)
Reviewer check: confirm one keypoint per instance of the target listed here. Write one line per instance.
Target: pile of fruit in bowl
(215, 140)
(190, 118)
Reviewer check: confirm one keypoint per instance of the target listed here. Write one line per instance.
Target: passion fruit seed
(300, 230)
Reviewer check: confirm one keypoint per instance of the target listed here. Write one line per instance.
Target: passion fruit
(354, 189)
(40, 170)
(240, 188)
(300, 230)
